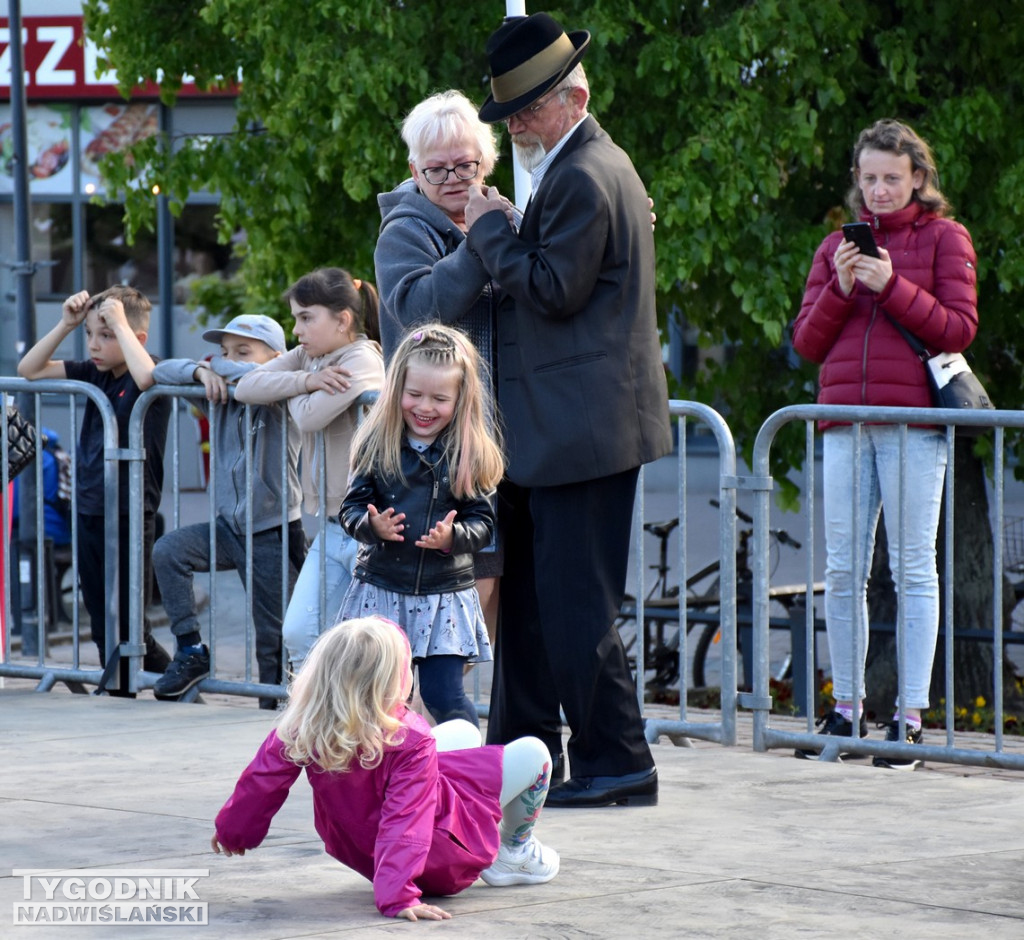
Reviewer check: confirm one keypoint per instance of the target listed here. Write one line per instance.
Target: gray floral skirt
(450, 624)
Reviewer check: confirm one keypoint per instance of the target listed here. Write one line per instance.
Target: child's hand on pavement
(424, 912)
(222, 849)
(387, 525)
(441, 536)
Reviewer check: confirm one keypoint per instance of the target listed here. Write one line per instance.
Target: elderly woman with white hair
(425, 273)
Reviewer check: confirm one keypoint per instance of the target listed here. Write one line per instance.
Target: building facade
(75, 117)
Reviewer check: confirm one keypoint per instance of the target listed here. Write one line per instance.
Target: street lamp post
(24, 271)
(521, 177)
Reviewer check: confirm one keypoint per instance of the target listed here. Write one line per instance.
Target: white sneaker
(531, 864)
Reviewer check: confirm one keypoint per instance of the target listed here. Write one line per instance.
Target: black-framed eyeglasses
(438, 175)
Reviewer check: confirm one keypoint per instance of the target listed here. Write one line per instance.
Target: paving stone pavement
(741, 844)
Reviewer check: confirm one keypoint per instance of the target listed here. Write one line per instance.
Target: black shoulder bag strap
(914, 343)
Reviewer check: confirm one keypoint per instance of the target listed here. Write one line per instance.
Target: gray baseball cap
(254, 326)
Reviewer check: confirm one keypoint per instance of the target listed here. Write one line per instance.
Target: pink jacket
(419, 822)
(933, 293)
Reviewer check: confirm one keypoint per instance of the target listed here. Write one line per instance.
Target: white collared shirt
(541, 168)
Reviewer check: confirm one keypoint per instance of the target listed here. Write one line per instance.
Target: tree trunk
(973, 659)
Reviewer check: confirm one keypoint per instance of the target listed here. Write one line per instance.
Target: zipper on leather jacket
(430, 515)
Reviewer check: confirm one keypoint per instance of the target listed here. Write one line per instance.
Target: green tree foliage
(740, 117)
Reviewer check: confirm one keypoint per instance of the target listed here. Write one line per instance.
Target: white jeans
(845, 589)
(302, 620)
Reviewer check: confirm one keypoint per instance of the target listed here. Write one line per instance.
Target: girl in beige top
(332, 365)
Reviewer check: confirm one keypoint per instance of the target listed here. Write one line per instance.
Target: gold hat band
(524, 77)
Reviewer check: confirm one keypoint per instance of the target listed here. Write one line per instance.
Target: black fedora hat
(528, 56)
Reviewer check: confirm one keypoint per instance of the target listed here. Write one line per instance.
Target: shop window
(65, 144)
(53, 249)
(107, 129)
(196, 249)
(48, 136)
(110, 259)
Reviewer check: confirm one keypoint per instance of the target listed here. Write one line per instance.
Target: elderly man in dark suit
(582, 393)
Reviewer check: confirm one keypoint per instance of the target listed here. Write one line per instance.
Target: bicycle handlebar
(781, 534)
(740, 514)
(786, 539)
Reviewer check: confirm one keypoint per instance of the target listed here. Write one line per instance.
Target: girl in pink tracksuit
(413, 811)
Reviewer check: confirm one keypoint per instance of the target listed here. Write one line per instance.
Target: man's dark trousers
(566, 557)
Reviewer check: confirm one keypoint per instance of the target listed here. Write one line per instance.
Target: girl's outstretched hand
(220, 848)
(387, 525)
(440, 537)
(424, 912)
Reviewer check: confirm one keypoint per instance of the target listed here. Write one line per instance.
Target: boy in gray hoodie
(246, 342)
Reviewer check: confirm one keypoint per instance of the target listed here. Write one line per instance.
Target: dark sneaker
(156, 658)
(185, 670)
(835, 724)
(892, 733)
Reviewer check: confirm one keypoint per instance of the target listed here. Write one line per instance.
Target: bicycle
(703, 602)
(1013, 577)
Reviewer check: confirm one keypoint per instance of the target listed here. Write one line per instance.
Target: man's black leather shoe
(636, 789)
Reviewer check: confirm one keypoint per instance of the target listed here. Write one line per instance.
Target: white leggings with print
(525, 776)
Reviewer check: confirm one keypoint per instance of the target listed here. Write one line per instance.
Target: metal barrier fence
(723, 730)
(36, 661)
(34, 645)
(765, 736)
(237, 678)
(135, 649)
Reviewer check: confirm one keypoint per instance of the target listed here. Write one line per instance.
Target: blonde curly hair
(345, 701)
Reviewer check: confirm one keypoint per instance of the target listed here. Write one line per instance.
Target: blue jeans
(303, 619)
(845, 589)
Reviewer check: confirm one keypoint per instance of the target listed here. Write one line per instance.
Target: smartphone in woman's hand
(860, 234)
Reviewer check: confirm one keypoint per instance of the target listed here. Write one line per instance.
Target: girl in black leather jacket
(425, 463)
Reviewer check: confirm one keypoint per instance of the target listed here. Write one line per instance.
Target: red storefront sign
(61, 63)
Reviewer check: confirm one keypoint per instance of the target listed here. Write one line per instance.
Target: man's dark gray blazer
(584, 402)
(581, 383)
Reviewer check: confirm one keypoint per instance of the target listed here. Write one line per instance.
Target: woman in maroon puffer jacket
(925, 279)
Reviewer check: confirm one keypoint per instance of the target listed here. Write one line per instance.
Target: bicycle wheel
(708, 634)
(626, 626)
(662, 662)
(705, 601)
